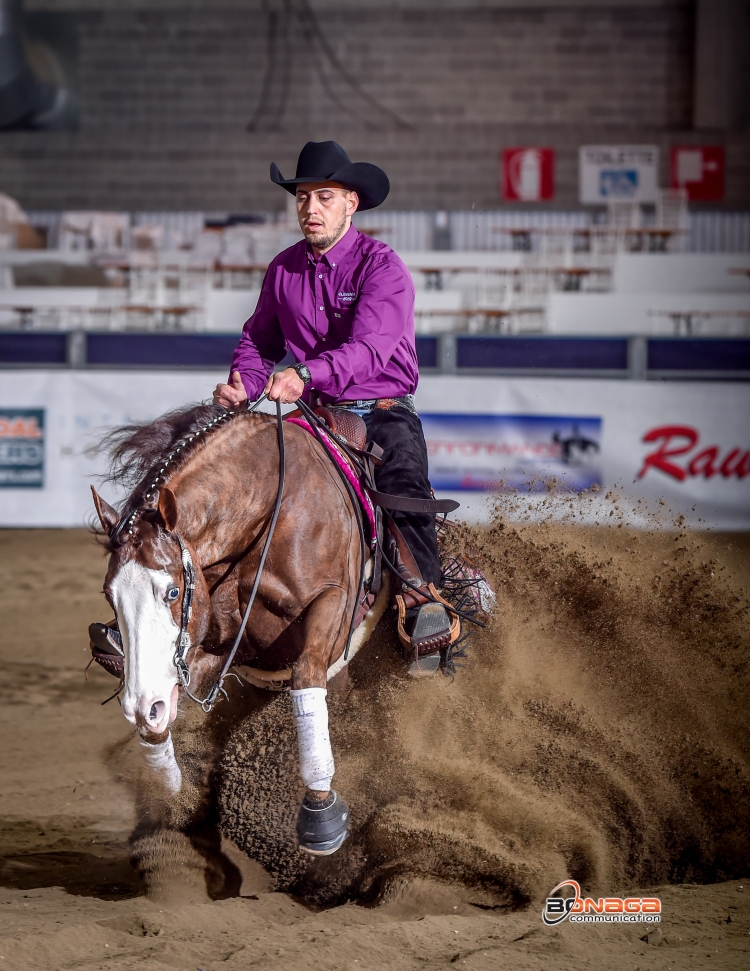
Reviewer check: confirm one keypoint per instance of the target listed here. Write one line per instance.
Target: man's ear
(168, 508)
(107, 515)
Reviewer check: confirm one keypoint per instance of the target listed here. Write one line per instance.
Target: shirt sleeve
(262, 343)
(383, 313)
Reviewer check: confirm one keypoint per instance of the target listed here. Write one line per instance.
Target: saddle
(355, 460)
(350, 430)
(345, 425)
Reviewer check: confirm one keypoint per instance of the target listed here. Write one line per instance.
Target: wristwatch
(303, 373)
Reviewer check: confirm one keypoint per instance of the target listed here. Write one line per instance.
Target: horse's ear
(168, 508)
(107, 515)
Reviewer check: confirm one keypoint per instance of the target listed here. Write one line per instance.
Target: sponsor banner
(526, 452)
(699, 169)
(618, 173)
(21, 448)
(528, 174)
(681, 448)
(687, 443)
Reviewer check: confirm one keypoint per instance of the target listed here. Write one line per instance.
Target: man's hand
(285, 385)
(230, 395)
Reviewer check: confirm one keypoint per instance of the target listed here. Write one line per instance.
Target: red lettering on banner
(706, 463)
(725, 468)
(19, 428)
(658, 459)
(703, 463)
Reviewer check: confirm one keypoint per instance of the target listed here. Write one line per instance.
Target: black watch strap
(303, 372)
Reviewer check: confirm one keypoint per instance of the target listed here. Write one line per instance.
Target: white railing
(491, 230)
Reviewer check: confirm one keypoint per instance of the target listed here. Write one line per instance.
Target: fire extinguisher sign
(527, 174)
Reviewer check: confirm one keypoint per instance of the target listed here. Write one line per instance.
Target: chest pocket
(342, 311)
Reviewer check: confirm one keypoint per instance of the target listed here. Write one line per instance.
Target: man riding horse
(343, 304)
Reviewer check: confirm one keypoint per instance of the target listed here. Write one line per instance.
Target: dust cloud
(598, 731)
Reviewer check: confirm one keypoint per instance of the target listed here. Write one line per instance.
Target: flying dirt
(597, 731)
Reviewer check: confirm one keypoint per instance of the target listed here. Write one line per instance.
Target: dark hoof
(323, 826)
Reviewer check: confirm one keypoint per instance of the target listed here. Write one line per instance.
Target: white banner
(618, 173)
(686, 443)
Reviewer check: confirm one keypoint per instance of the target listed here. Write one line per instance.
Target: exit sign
(700, 170)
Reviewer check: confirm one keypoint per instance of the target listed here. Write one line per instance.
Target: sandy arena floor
(68, 895)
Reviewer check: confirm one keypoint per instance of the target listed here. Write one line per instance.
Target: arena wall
(183, 106)
(695, 433)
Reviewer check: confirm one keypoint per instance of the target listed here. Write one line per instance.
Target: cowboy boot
(425, 627)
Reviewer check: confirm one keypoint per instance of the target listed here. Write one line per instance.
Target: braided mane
(142, 455)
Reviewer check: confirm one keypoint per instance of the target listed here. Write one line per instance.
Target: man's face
(324, 210)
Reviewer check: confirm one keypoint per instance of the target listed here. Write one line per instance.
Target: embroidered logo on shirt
(346, 297)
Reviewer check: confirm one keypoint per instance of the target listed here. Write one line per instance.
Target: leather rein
(183, 644)
(183, 640)
(364, 464)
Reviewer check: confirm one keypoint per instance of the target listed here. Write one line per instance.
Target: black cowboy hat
(328, 162)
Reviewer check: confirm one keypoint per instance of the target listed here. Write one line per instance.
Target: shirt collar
(337, 253)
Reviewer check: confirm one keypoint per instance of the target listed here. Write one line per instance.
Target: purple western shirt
(349, 316)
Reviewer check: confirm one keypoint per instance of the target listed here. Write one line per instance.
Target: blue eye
(173, 593)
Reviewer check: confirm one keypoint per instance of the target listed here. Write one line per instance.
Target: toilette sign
(618, 173)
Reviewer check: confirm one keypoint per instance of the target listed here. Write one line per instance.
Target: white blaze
(149, 635)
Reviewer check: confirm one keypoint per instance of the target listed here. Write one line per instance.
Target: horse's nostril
(152, 713)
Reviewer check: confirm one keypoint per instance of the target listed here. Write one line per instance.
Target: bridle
(183, 643)
(183, 640)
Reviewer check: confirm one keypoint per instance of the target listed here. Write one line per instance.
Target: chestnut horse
(207, 484)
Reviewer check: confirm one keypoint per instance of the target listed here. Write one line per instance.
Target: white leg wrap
(160, 758)
(315, 756)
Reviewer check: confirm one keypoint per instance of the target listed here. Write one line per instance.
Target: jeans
(403, 472)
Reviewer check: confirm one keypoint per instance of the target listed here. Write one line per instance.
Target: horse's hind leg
(323, 822)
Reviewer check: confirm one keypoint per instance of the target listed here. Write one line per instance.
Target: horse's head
(145, 584)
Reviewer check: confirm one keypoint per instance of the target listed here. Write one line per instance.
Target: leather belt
(384, 404)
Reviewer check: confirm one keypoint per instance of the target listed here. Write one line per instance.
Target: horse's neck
(222, 502)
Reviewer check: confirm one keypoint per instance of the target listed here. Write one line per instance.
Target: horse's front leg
(158, 754)
(323, 821)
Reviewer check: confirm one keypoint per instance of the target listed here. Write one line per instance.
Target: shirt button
(323, 339)
(320, 276)
(322, 308)
(333, 264)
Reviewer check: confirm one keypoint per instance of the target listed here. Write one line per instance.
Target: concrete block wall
(431, 95)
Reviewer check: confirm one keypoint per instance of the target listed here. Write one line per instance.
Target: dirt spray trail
(599, 730)
(442, 777)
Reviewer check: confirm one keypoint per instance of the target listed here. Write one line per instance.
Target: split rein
(188, 592)
(183, 640)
